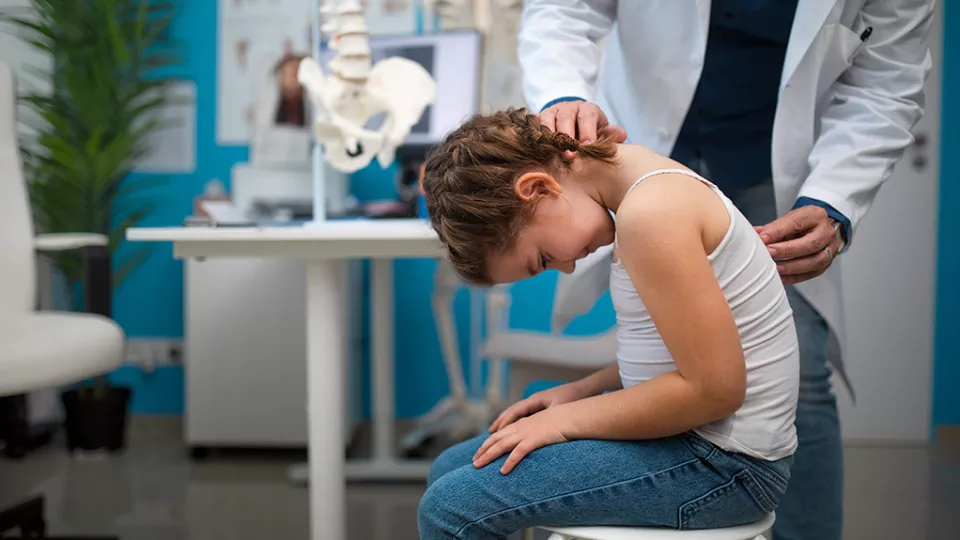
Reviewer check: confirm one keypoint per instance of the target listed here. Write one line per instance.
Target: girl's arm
(605, 380)
(662, 230)
(601, 381)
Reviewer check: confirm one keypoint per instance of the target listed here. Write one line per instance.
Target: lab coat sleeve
(874, 106)
(558, 48)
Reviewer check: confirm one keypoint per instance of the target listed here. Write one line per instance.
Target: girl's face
(567, 225)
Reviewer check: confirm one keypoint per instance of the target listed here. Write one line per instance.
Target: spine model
(356, 90)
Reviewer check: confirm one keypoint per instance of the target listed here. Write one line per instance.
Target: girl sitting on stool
(693, 426)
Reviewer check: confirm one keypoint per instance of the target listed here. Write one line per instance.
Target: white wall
(23, 58)
(889, 292)
(12, 50)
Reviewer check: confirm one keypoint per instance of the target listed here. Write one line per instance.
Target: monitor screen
(453, 60)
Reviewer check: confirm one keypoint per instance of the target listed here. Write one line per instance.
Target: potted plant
(108, 60)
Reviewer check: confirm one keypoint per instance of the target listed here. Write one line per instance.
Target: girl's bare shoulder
(674, 201)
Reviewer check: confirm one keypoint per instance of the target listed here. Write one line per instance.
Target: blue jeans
(680, 482)
(812, 508)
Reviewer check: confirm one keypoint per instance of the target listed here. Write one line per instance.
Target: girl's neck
(608, 184)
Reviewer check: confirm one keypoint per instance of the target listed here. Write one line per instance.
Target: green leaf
(119, 232)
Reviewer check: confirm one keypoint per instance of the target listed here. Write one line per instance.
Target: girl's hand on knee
(522, 437)
(558, 395)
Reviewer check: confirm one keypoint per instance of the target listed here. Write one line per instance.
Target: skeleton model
(459, 416)
(357, 90)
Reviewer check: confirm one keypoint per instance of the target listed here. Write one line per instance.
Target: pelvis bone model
(356, 91)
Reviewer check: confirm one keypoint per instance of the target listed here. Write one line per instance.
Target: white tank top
(763, 427)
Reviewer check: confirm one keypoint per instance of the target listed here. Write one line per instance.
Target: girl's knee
(445, 463)
(453, 458)
(436, 514)
(457, 503)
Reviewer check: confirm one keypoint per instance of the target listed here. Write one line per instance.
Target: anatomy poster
(255, 38)
(391, 17)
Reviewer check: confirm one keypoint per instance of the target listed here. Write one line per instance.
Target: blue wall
(946, 373)
(150, 302)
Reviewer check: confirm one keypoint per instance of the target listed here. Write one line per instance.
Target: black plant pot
(96, 420)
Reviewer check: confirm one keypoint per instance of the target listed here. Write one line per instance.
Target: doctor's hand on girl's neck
(507, 204)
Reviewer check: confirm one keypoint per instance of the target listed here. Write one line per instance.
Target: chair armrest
(596, 351)
(97, 276)
(68, 241)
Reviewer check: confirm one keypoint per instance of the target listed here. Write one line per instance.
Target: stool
(751, 531)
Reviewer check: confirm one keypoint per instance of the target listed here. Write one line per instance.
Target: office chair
(44, 349)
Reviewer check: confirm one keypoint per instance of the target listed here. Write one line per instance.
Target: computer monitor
(453, 60)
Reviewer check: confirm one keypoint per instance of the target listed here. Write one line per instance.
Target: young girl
(693, 427)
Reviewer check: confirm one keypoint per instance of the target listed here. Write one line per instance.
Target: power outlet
(148, 353)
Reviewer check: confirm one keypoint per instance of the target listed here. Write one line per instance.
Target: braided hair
(469, 179)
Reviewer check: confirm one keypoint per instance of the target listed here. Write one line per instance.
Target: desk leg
(325, 398)
(382, 317)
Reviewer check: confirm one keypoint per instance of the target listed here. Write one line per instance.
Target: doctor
(797, 109)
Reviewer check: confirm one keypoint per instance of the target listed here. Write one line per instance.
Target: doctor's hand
(582, 120)
(522, 437)
(803, 242)
(558, 395)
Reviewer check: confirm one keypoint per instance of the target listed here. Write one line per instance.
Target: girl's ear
(532, 186)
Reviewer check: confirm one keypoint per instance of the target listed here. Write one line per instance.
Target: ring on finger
(829, 255)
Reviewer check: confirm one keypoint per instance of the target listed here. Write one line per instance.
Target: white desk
(325, 248)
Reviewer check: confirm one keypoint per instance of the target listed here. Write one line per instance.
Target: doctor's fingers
(617, 132)
(579, 120)
(820, 236)
(793, 224)
(808, 267)
(592, 124)
(589, 120)
(548, 118)
(567, 114)
(562, 117)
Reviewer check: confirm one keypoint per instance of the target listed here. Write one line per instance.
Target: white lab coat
(843, 119)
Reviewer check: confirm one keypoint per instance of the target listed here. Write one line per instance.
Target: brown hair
(469, 181)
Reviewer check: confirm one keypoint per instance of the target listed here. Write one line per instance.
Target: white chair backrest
(17, 264)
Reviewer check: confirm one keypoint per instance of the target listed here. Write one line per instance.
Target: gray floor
(153, 492)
